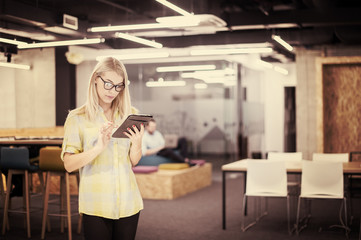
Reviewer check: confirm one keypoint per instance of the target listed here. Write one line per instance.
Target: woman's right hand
(105, 133)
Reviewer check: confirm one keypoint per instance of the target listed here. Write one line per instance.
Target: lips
(110, 97)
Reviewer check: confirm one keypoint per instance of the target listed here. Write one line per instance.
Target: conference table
(292, 167)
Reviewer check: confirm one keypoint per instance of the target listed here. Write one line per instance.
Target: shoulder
(75, 115)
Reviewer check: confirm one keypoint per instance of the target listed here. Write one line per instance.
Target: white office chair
(265, 179)
(321, 180)
(337, 157)
(293, 183)
(334, 157)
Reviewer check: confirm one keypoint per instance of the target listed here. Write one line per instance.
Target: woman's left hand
(135, 135)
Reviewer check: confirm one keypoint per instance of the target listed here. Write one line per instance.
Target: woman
(109, 198)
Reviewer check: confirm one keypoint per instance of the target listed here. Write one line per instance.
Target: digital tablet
(133, 119)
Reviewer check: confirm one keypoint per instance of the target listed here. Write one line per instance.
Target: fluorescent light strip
(270, 66)
(281, 70)
(174, 7)
(136, 56)
(230, 51)
(13, 65)
(200, 86)
(179, 83)
(14, 42)
(61, 43)
(186, 68)
(144, 26)
(227, 72)
(189, 21)
(264, 64)
(139, 40)
(282, 42)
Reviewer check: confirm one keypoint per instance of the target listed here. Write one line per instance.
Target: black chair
(16, 160)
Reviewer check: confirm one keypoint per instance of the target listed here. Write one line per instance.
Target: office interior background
(257, 96)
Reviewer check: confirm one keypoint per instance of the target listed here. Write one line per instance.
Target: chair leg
(7, 199)
(46, 202)
(298, 215)
(62, 183)
(346, 226)
(244, 228)
(67, 187)
(288, 216)
(2, 189)
(27, 202)
(80, 219)
(243, 212)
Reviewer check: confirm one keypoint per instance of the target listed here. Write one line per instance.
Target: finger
(130, 131)
(135, 129)
(108, 126)
(142, 128)
(127, 134)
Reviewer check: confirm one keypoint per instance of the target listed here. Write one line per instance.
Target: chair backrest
(322, 179)
(334, 157)
(355, 156)
(49, 159)
(15, 158)
(285, 156)
(266, 178)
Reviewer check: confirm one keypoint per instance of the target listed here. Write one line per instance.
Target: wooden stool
(51, 163)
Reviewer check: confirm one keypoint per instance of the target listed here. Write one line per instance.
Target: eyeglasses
(109, 85)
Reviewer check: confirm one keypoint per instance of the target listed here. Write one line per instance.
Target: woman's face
(107, 85)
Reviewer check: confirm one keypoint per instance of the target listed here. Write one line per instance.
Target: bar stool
(51, 163)
(16, 160)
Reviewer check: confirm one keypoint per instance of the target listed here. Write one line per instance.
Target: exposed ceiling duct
(309, 23)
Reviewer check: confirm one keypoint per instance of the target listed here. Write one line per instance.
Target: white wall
(274, 107)
(27, 97)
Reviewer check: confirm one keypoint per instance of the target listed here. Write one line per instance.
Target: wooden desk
(349, 168)
(32, 142)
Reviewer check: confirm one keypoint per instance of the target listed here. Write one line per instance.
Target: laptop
(171, 140)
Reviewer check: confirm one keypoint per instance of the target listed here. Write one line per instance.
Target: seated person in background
(154, 144)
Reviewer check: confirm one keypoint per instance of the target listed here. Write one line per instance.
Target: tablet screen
(133, 119)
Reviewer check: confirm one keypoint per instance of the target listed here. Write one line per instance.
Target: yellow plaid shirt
(107, 187)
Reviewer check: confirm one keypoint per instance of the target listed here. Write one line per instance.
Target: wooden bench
(170, 184)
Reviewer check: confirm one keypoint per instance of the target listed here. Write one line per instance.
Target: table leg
(223, 199)
(244, 192)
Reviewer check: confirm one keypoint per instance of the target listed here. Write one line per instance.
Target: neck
(107, 111)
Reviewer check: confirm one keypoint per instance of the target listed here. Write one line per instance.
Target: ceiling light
(136, 56)
(209, 74)
(14, 42)
(14, 65)
(139, 40)
(174, 7)
(143, 26)
(270, 66)
(282, 42)
(225, 51)
(200, 86)
(264, 64)
(61, 43)
(186, 68)
(281, 70)
(187, 21)
(179, 83)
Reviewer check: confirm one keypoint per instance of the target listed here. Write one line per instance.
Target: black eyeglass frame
(120, 87)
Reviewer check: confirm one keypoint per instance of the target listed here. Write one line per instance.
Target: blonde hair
(121, 103)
